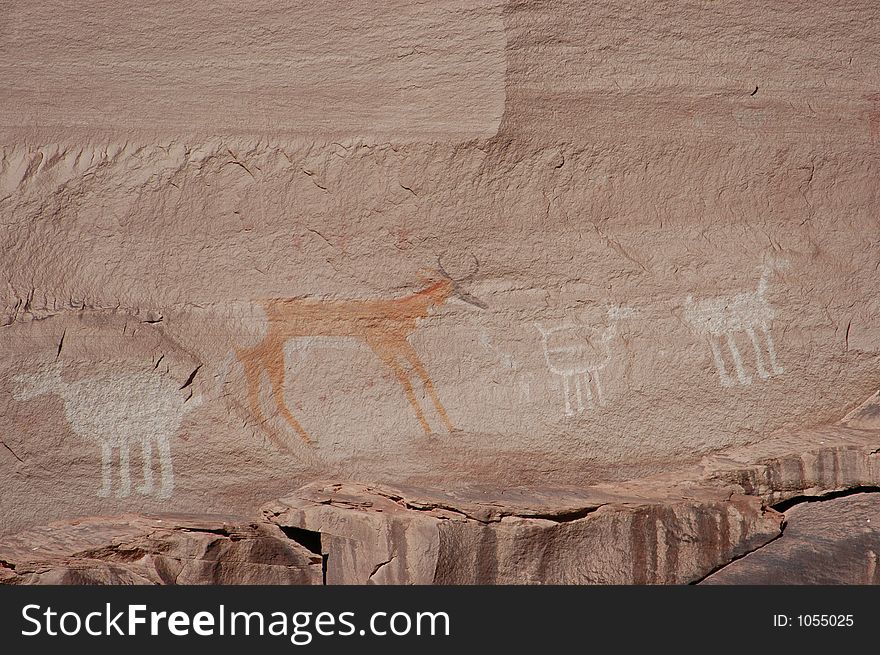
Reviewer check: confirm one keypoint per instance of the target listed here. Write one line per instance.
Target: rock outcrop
(830, 542)
(743, 517)
(672, 528)
(163, 549)
(387, 536)
(563, 288)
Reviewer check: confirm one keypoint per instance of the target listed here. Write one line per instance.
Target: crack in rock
(381, 565)
(786, 505)
(740, 556)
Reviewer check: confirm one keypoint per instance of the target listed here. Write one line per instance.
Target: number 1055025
(814, 621)
(824, 620)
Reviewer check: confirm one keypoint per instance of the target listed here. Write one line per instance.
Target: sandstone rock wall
(830, 542)
(165, 549)
(794, 508)
(661, 221)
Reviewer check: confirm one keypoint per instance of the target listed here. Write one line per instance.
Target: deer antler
(457, 290)
(476, 268)
(466, 278)
(440, 265)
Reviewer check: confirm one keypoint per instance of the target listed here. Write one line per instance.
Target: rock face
(165, 549)
(682, 526)
(385, 536)
(830, 542)
(452, 245)
(672, 528)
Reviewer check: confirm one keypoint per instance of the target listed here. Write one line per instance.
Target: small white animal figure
(715, 318)
(116, 410)
(577, 353)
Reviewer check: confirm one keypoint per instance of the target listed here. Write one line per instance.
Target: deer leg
(419, 367)
(388, 358)
(771, 351)
(252, 362)
(124, 473)
(744, 378)
(726, 380)
(275, 369)
(759, 358)
(106, 483)
(166, 467)
(147, 449)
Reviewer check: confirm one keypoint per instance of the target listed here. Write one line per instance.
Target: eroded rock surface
(389, 536)
(676, 527)
(835, 541)
(163, 549)
(681, 526)
(484, 245)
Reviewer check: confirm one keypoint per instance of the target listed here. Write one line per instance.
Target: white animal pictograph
(724, 317)
(117, 410)
(577, 353)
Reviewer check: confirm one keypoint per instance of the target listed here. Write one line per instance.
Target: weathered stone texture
(445, 245)
(835, 541)
(162, 549)
(682, 526)
(384, 536)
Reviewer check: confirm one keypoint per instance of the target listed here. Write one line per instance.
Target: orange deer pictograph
(384, 324)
